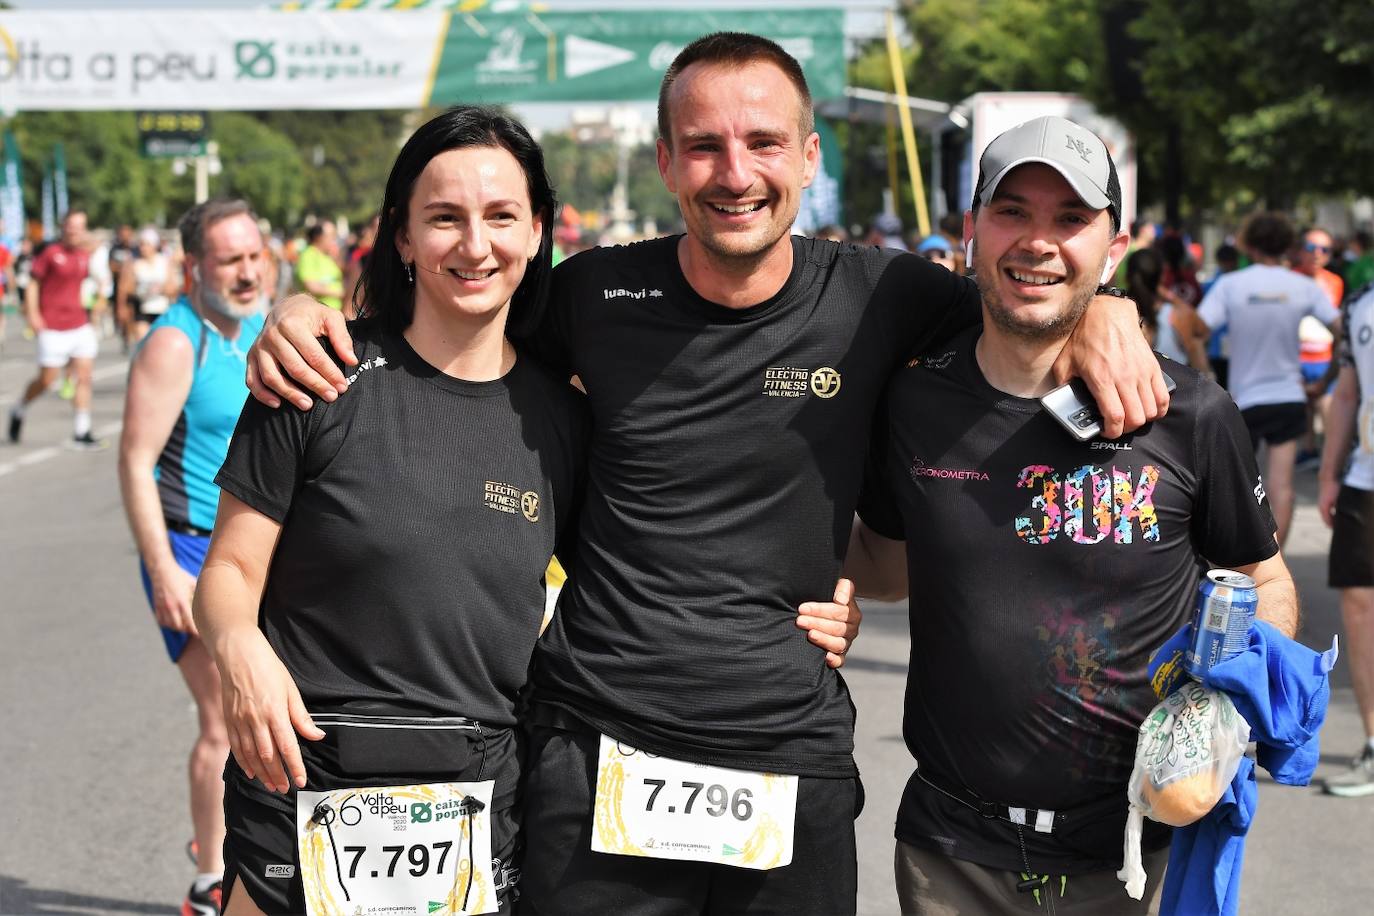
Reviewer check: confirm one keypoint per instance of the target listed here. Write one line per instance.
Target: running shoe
(202, 903)
(16, 426)
(68, 389)
(1356, 781)
(88, 443)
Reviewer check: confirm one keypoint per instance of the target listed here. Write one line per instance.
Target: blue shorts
(189, 552)
(1313, 372)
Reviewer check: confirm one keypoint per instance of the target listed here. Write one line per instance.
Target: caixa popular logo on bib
(797, 382)
(512, 500)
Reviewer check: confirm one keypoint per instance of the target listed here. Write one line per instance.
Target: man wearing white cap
(1026, 688)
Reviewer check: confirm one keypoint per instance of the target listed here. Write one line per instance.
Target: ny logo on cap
(1078, 146)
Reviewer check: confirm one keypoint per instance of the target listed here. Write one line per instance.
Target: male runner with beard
(1045, 570)
(184, 396)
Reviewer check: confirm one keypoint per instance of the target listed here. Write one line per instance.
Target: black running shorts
(1275, 423)
(260, 848)
(564, 877)
(1351, 564)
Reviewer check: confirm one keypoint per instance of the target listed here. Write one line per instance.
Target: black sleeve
(266, 460)
(570, 501)
(926, 304)
(1232, 524)
(877, 506)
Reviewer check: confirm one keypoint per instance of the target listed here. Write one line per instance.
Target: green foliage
(346, 156)
(968, 46)
(260, 165)
(1271, 97)
(105, 174)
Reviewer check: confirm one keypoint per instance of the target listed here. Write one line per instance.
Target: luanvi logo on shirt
(511, 500)
(632, 293)
(795, 382)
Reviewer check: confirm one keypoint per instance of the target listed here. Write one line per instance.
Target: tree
(961, 47)
(260, 165)
(1269, 98)
(105, 173)
(347, 156)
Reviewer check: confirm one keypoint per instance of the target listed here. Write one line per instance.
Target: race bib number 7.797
(397, 850)
(657, 807)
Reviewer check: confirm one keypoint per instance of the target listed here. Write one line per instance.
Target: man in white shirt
(1262, 306)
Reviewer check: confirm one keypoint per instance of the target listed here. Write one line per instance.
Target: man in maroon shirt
(53, 309)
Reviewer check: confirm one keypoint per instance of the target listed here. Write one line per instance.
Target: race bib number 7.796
(657, 807)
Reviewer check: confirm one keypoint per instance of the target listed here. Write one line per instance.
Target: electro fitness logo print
(512, 500)
(795, 382)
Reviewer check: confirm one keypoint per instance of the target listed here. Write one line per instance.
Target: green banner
(613, 57)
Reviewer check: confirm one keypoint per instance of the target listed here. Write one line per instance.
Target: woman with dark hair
(376, 579)
(1170, 324)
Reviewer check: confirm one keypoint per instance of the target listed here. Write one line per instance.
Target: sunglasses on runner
(1313, 246)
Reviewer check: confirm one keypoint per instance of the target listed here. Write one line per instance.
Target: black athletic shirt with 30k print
(1044, 571)
(725, 462)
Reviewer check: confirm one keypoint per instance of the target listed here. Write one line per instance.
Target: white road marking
(39, 455)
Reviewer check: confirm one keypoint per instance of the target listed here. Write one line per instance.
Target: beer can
(1226, 603)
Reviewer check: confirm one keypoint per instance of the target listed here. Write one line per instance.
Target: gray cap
(1071, 150)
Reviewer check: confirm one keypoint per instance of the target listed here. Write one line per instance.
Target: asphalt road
(95, 724)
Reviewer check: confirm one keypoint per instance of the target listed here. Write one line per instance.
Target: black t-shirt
(725, 463)
(418, 512)
(1044, 571)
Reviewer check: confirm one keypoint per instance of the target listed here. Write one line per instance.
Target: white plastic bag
(1188, 752)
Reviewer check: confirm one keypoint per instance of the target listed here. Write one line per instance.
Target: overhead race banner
(147, 60)
(620, 56)
(162, 60)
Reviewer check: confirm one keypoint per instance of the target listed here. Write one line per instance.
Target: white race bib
(397, 850)
(1365, 426)
(662, 808)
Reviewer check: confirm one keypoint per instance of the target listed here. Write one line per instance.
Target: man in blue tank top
(184, 396)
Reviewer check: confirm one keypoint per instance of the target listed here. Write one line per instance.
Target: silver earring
(410, 274)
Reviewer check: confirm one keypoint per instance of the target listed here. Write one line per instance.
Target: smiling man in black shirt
(1044, 570)
(732, 373)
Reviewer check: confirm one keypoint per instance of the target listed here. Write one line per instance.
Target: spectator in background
(936, 248)
(1359, 272)
(1262, 307)
(144, 288)
(54, 311)
(886, 232)
(1228, 260)
(7, 263)
(318, 268)
(1311, 259)
(834, 233)
(1180, 274)
(357, 260)
(1143, 234)
(952, 228)
(1171, 325)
